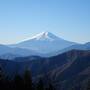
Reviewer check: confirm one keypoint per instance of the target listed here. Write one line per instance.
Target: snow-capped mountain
(44, 42)
(45, 36)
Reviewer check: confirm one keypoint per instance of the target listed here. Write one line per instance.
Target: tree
(1, 78)
(27, 80)
(88, 85)
(51, 87)
(40, 85)
(18, 82)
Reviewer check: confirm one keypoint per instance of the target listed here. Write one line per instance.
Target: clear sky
(21, 19)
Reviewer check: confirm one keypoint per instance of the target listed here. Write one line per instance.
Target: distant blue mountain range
(44, 44)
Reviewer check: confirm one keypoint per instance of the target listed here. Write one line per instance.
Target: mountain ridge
(44, 42)
(53, 67)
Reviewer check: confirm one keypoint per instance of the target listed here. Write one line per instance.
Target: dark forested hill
(67, 70)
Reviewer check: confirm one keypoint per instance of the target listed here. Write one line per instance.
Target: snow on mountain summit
(44, 42)
(45, 36)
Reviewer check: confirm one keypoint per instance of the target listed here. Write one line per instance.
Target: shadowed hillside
(65, 71)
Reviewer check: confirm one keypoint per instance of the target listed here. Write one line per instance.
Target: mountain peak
(45, 36)
(45, 42)
(46, 33)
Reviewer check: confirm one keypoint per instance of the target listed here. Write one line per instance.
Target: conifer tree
(88, 85)
(27, 80)
(40, 85)
(51, 87)
(18, 82)
(2, 77)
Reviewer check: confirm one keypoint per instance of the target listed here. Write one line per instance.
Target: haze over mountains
(44, 44)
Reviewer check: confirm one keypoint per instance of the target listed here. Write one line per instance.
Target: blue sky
(21, 19)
